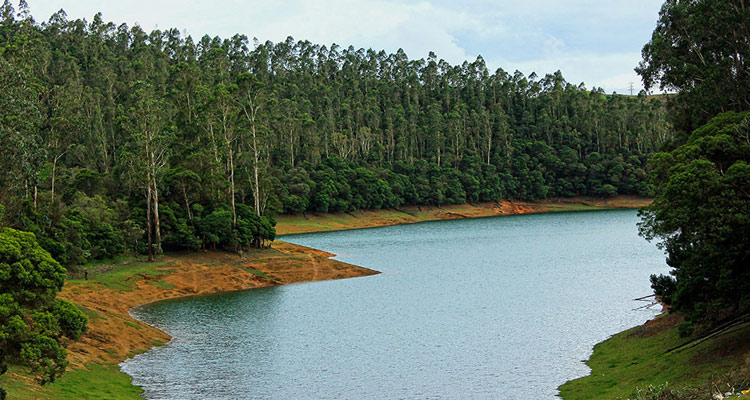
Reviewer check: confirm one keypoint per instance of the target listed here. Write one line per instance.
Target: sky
(595, 42)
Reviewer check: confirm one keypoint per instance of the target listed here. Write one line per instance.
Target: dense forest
(112, 138)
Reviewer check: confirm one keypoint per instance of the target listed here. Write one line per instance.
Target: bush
(32, 321)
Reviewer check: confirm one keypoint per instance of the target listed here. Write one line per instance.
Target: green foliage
(699, 49)
(250, 230)
(32, 320)
(664, 287)
(702, 218)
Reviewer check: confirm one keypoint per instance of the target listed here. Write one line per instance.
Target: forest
(116, 140)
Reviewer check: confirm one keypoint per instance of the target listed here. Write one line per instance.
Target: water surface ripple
(491, 308)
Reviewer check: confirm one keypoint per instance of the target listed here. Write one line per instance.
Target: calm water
(492, 308)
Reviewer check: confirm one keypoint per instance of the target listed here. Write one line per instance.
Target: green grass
(133, 324)
(122, 278)
(90, 314)
(258, 273)
(97, 381)
(328, 222)
(571, 207)
(161, 284)
(93, 264)
(628, 361)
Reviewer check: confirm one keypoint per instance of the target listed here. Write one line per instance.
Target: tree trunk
(291, 145)
(251, 114)
(256, 188)
(187, 204)
(256, 179)
(54, 167)
(148, 222)
(489, 147)
(157, 230)
(230, 168)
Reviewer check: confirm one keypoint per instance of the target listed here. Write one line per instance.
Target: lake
(489, 308)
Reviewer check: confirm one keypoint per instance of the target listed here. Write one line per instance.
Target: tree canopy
(702, 215)
(33, 322)
(701, 50)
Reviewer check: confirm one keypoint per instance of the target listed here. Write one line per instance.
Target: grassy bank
(639, 358)
(115, 287)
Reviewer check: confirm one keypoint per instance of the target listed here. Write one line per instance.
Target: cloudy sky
(597, 42)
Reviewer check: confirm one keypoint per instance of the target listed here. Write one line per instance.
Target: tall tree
(701, 49)
(250, 101)
(146, 121)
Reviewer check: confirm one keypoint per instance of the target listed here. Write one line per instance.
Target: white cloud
(553, 47)
(608, 71)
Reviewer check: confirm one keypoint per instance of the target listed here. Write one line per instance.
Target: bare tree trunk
(187, 204)
(291, 144)
(251, 115)
(230, 168)
(148, 221)
(54, 167)
(489, 147)
(157, 230)
(54, 171)
(256, 187)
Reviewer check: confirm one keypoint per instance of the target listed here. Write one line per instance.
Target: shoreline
(194, 274)
(115, 336)
(311, 223)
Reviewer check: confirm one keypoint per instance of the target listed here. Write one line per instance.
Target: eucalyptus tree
(146, 121)
(250, 99)
(21, 145)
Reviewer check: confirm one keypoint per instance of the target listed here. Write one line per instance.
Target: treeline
(112, 138)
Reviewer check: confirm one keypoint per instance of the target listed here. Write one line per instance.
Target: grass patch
(257, 273)
(631, 360)
(133, 324)
(161, 284)
(122, 278)
(570, 207)
(96, 381)
(90, 314)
